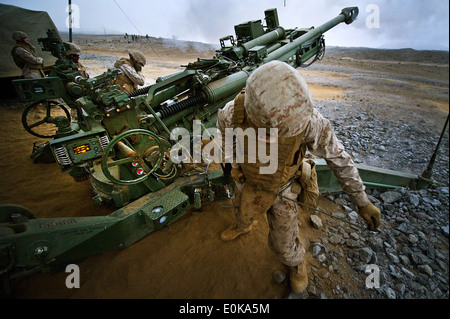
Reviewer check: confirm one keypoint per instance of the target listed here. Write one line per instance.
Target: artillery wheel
(137, 160)
(37, 118)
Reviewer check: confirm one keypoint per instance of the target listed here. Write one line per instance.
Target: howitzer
(84, 147)
(121, 142)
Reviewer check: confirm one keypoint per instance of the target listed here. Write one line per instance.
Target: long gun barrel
(348, 15)
(281, 51)
(215, 82)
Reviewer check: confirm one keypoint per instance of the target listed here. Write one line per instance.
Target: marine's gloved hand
(237, 175)
(372, 215)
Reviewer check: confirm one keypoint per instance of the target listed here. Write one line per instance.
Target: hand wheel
(39, 118)
(133, 155)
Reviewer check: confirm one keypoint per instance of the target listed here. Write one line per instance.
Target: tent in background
(34, 23)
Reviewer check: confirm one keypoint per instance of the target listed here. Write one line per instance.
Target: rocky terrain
(388, 107)
(411, 250)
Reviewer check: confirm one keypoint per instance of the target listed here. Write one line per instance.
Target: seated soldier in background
(131, 68)
(73, 54)
(26, 58)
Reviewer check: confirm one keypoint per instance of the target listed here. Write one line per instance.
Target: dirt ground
(188, 260)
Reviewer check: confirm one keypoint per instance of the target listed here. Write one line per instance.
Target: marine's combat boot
(234, 231)
(299, 278)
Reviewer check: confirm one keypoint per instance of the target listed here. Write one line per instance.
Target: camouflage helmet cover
(18, 35)
(73, 49)
(138, 56)
(277, 96)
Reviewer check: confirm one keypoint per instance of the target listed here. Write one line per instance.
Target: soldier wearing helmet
(131, 68)
(25, 57)
(73, 55)
(276, 96)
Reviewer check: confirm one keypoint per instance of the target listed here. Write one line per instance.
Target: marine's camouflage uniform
(130, 79)
(75, 50)
(32, 66)
(83, 70)
(282, 214)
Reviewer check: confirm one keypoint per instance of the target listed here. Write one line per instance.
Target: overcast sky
(417, 24)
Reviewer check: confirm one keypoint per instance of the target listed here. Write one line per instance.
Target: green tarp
(34, 23)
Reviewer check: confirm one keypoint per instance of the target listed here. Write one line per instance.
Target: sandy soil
(188, 260)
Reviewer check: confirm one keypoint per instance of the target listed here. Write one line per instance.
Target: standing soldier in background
(25, 57)
(73, 54)
(131, 68)
(277, 96)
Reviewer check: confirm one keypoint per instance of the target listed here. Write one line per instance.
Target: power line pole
(70, 20)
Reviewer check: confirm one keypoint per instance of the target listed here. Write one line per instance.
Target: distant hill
(402, 55)
(119, 41)
(152, 45)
